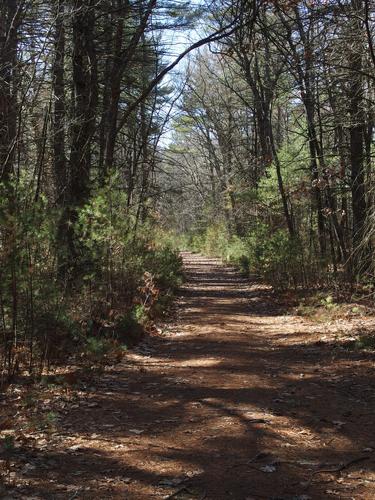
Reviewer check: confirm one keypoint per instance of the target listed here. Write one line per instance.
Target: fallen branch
(184, 488)
(339, 468)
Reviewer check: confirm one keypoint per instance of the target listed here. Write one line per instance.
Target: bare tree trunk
(356, 131)
(9, 20)
(85, 96)
(59, 159)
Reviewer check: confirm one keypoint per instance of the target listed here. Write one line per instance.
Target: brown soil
(237, 400)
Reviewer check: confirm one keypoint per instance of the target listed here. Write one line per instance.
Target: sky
(175, 43)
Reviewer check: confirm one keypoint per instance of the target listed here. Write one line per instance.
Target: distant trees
(303, 74)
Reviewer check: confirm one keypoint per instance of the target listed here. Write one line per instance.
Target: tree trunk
(59, 159)
(356, 134)
(85, 94)
(9, 19)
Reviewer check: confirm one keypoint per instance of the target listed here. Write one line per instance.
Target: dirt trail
(235, 401)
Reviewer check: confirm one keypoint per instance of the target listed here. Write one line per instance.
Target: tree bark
(356, 134)
(9, 23)
(59, 159)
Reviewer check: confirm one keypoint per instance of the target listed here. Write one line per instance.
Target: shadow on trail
(231, 412)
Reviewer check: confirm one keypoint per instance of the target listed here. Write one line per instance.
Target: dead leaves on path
(206, 399)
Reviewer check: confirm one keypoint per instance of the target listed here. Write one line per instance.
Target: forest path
(235, 401)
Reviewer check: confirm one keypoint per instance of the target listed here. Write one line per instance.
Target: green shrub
(165, 265)
(97, 347)
(235, 251)
(274, 256)
(216, 240)
(129, 328)
(271, 254)
(139, 313)
(328, 302)
(47, 312)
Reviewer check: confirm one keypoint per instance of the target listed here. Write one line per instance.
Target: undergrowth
(269, 255)
(123, 277)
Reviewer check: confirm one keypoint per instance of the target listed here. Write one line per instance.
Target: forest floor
(239, 398)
